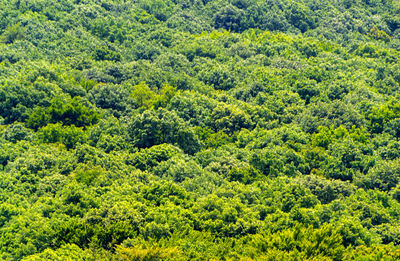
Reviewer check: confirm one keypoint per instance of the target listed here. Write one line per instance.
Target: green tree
(162, 126)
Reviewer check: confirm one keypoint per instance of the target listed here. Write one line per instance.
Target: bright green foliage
(68, 252)
(162, 126)
(101, 53)
(382, 115)
(114, 98)
(386, 252)
(142, 95)
(148, 158)
(229, 119)
(199, 130)
(326, 136)
(212, 139)
(16, 132)
(12, 34)
(56, 133)
(67, 111)
(305, 243)
(166, 93)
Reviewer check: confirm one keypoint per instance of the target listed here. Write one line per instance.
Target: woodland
(200, 130)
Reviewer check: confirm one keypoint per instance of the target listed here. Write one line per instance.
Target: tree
(17, 132)
(102, 53)
(384, 176)
(56, 133)
(229, 119)
(143, 95)
(229, 18)
(12, 34)
(300, 16)
(112, 97)
(66, 111)
(162, 126)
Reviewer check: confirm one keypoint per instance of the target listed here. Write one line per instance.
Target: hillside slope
(199, 130)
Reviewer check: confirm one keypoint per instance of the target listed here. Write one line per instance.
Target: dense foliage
(201, 129)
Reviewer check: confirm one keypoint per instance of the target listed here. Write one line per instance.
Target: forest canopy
(199, 130)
